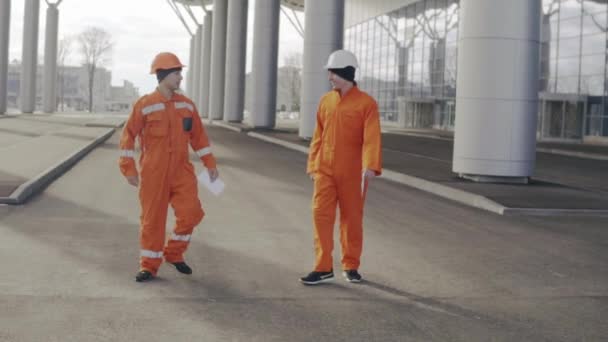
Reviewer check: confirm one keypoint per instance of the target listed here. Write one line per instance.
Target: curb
(35, 185)
(226, 126)
(555, 212)
(418, 135)
(557, 151)
(584, 155)
(102, 125)
(456, 195)
(280, 142)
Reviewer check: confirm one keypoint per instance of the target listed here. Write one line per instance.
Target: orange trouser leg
(154, 199)
(350, 198)
(324, 217)
(188, 213)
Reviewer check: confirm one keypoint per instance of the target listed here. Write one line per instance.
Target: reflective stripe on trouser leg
(350, 199)
(154, 199)
(324, 217)
(188, 213)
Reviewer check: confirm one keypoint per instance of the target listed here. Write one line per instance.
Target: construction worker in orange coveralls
(166, 122)
(345, 153)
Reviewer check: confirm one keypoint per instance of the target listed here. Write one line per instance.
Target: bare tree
(293, 62)
(64, 50)
(294, 59)
(96, 47)
(598, 23)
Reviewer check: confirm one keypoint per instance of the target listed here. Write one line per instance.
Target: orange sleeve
(372, 140)
(200, 142)
(131, 130)
(315, 143)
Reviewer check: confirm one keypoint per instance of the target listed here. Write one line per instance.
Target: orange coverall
(165, 127)
(346, 141)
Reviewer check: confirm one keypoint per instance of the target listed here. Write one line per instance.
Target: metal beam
(180, 16)
(298, 28)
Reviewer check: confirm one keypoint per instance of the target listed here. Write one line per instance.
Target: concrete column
(49, 92)
(323, 34)
(189, 73)
(218, 60)
(29, 58)
(196, 65)
(497, 89)
(264, 65)
(236, 43)
(206, 65)
(5, 25)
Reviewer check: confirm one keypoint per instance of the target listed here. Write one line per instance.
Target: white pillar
(323, 34)
(264, 65)
(49, 93)
(206, 65)
(5, 25)
(218, 60)
(190, 73)
(236, 51)
(29, 58)
(196, 65)
(497, 89)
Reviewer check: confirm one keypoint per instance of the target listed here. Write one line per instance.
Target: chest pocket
(156, 126)
(352, 120)
(187, 124)
(185, 110)
(351, 127)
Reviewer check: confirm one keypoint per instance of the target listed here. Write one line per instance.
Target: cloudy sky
(139, 29)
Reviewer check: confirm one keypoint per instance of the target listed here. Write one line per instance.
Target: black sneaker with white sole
(143, 276)
(352, 276)
(314, 278)
(182, 267)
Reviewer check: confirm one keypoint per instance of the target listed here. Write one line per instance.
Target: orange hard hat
(165, 60)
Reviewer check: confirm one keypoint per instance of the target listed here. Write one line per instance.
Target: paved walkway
(35, 149)
(434, 270)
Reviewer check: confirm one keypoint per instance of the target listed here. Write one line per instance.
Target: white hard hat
(341, 59)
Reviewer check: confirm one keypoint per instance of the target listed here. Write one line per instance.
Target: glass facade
(408, 58)
(573, 69)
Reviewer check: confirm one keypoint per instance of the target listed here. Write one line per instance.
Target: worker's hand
(312, 176)
(133, 180)
(369, 174)
(213, 174)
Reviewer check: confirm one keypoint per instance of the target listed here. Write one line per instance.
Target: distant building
(72, 90)
(122, 98)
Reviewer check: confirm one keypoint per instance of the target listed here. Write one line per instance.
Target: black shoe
(314, 278)
(142, 276)
(352, 276)
(182, 267)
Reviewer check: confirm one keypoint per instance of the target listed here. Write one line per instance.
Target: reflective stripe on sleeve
(203, 152)
(127, 153)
